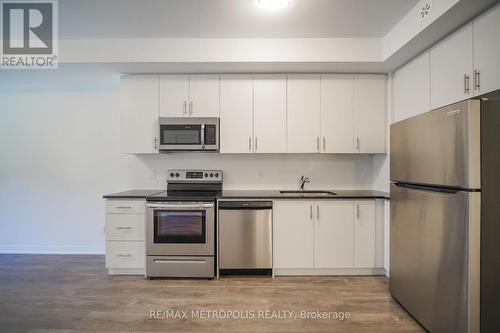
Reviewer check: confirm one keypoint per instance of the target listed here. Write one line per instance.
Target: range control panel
(192, 176)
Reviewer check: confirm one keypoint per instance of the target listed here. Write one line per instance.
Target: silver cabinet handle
(123, 207)
(317, 212)
(184, 110)
(317, 143)
(357, 212)
(123, 228)
(123, 255)
(358, 143)
(477, 78)
(466, 84)
(156, 142)
(250, 143)
(256, 144)
(324, 144)
(191, 108)
(311, 213)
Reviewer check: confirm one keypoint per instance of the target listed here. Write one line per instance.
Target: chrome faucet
(303, 181)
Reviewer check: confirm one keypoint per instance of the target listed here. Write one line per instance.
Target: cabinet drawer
(125, 206)
(129, 227)
(125, 254)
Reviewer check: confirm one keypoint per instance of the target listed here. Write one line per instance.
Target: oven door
(180, 228)
(181, 136)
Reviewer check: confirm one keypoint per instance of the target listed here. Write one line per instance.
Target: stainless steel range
(180, 225)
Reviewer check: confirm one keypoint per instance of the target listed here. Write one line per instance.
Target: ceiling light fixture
(273, 4)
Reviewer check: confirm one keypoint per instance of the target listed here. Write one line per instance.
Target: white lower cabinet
(125, 235)
(364, 234)
(333, 230)
(293, 234)
(332, 237)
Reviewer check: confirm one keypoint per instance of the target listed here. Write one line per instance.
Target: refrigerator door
(440, 147)
(434, 241)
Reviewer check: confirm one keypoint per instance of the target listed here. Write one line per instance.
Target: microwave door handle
(202, 135)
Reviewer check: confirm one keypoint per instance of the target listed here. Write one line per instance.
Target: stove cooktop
(170, 195)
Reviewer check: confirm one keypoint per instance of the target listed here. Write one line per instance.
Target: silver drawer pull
(124, 255)
(123, 228)
(124, 207)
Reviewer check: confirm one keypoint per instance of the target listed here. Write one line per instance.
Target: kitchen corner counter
(132, 194)
(275, 194)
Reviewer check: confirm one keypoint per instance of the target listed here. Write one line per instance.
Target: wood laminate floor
(47, 293)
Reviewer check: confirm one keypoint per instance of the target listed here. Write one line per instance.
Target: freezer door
(440, 147)
(434, 242)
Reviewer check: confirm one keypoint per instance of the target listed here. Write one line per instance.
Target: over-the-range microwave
(189, 134)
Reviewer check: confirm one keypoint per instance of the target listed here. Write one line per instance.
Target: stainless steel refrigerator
(445, 217)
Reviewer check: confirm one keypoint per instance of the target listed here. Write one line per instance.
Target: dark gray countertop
(260, 194)
(275, 194)
(132, 194)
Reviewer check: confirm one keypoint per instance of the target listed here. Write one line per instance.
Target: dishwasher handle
(232, 205)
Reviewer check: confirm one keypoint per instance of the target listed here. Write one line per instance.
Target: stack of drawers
(125, 236)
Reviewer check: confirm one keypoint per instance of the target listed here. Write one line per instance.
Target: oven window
(179, 226)
(180, 135)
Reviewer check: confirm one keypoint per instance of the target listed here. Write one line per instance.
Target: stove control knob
(206, 174)
(177, 174)
(171, 174)
(211, 175)
(217, 175)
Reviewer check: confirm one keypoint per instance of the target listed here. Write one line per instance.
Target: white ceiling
(228, 18)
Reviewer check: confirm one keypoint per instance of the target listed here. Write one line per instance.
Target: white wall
(59, 153)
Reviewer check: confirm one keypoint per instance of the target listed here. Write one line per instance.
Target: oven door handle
(182, 206)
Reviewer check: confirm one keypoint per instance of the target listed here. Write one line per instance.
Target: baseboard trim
(51, 250)
(126, 271)
(328, 271)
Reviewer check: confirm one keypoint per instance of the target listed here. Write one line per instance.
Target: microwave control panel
(210, 135)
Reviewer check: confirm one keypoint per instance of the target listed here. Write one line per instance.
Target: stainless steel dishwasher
(245, 237)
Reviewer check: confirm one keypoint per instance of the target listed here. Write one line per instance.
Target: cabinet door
(139, 126)
(337, 113)
(487, 51)
(411, 88)
(451, 68)
(204, 95)
(303, 115)
(333, 234)
(269, 113)
(174, 95)
(236, 98)
(369, 114)
(364, 234)
(293, 234)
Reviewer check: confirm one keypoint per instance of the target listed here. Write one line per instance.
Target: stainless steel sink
(308, 193)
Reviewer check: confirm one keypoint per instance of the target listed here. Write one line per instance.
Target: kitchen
(239, 182)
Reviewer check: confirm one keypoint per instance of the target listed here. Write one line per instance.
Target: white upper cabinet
(364, 234)
(174, 95)
(139, 124)
(337, 96)
(303, 118)
(189, 95)
(236, 108)
(452, 68)
(411, 88)
(487, 52)
(269, 113)
(204, 95)
(333, 234)
(369, 114)
(293, 234)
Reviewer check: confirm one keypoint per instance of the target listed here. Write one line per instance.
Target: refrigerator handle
(429, 188)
